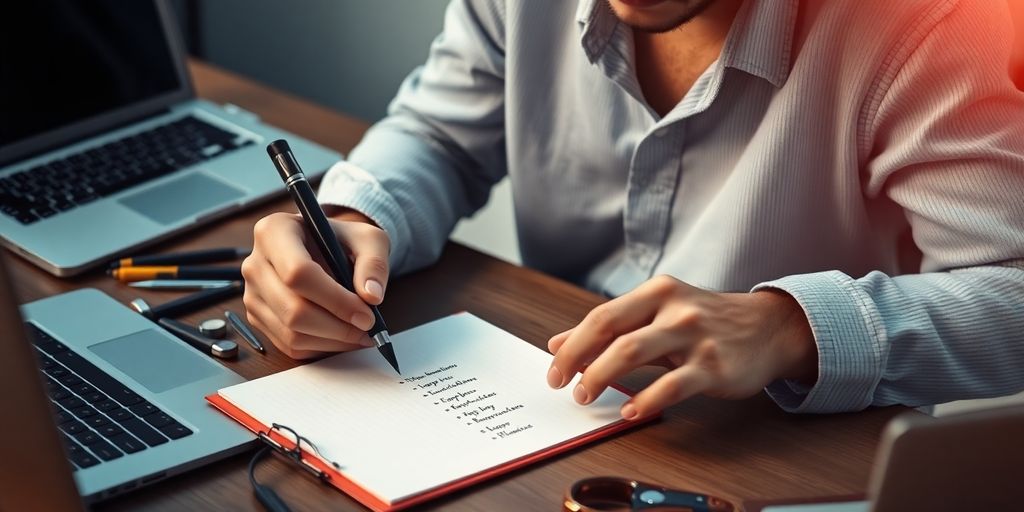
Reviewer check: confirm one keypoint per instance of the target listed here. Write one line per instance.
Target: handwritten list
(471, 397)
(461, 395)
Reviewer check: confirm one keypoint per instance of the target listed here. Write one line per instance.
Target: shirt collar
(760, 41)
(597, 24)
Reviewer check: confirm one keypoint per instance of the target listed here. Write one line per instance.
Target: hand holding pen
(293, 299)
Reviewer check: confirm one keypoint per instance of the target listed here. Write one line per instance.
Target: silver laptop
(125, 396)
(103, 145)
(968, 461)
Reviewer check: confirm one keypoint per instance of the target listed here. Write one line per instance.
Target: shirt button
(660, 132)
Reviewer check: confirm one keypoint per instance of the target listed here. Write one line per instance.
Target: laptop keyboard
(60, 185)
(100, 419)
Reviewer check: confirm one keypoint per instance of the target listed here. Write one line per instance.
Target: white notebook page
(471, 396)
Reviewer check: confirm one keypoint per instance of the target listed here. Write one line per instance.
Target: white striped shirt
(865, 156)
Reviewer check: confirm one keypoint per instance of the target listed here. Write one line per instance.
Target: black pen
(320, 228)
(184, 258)
(188, 303)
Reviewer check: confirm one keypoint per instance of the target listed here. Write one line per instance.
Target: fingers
(369, 247)
(292, 343)
(598, 329)
(673, 387)
(557, 340)
(290, 296)
(303, 316)
(281, 242)
(629, 351)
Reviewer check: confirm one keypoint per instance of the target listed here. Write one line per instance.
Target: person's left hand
(725, 345)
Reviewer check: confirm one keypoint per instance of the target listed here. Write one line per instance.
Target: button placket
(653, 173)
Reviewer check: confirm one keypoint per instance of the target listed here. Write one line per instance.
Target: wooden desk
(737, 450)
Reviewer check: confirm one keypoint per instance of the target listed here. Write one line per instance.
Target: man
(830, 193)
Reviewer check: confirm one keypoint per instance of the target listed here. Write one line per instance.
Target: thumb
(370, 247)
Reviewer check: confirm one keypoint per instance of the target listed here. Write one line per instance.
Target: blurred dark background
(347, 54)
(350, 55)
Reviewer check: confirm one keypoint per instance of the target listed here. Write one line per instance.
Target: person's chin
(647, 15)
(641, 4)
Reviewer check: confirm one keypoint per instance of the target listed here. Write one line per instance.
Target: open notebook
(472, 403)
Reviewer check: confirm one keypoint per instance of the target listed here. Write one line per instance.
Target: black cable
(264, 494)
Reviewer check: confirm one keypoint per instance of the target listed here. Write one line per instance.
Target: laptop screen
(66, 61)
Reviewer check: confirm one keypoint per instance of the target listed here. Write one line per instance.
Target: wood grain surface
(738, 450)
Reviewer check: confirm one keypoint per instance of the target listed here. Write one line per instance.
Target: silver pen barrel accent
(381, 338)
(383, 341)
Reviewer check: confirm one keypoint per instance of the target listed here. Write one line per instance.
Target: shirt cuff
(851, 342)
(348, 185)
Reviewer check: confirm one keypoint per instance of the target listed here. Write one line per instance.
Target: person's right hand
(291, 296)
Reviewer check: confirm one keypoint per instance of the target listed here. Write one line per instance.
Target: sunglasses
(607, 494)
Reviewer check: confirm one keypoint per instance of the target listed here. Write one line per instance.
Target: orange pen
(131, 274)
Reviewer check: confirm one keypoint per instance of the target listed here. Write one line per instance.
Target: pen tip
(389, 354)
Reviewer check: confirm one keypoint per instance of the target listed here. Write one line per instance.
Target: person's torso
(755, 175)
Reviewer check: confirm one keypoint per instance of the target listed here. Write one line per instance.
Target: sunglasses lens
(604, 494)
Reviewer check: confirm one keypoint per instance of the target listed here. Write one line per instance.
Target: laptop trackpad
(155, 361)
(181, 198)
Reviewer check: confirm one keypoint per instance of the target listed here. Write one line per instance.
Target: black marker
(184, 258)
(320, 228)
(188, 303)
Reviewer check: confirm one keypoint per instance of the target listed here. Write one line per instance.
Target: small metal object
(141, 306)
(224, 349)
(214, 328)
(244, 331)
(180, 284)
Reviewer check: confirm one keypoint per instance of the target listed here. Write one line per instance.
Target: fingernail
(579, 393)
(366, 341)
(628, 411)
(554, 378)
(362, 321)
(374, 289)
(552, 347)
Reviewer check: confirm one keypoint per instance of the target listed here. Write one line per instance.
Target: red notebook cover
(373, 502)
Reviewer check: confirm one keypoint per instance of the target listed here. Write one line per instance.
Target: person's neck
(668, 63)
